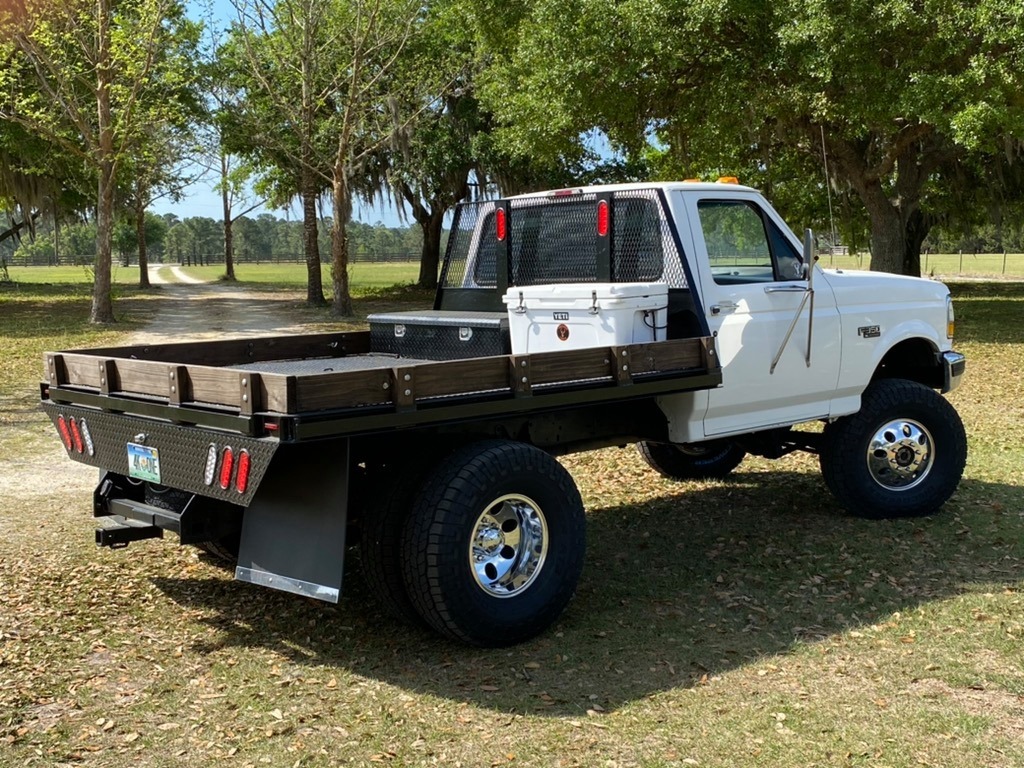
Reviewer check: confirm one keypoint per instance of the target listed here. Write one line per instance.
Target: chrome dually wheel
(900, 455)
(508, 546)
(493, 547)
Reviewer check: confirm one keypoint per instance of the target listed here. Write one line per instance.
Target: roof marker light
(728, 180)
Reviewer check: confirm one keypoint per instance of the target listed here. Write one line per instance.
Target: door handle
(786, 288)
(716, 309)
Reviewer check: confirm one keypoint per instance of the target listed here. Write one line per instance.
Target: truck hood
(880, 288)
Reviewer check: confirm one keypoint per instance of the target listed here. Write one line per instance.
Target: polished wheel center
(900, 455)
(508, 546)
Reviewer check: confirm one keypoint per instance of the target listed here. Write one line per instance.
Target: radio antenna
(828, 188)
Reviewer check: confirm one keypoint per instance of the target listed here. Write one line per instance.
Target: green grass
(947, 265)
(364, 277)
(736, 623)
(71, 275)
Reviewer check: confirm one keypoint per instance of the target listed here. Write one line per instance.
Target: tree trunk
(102, 307)
(140, 235)
(891, 194)
(229, 240)
(430, 255)
(311, 244)
(897, 232)
(342, 211)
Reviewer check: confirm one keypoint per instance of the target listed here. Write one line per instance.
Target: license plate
(144, 462)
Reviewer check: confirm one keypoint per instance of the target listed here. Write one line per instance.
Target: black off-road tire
(480, 494)
(380, 547)
(714, 459)
(909, 422)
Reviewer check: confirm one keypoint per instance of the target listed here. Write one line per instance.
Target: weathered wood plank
(242, 351)
(79, 370)
(676, 355)
(347, 389)
(458, 376)
(142, 377)
(573, 365)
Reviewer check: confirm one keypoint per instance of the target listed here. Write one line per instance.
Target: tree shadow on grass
(676, 590)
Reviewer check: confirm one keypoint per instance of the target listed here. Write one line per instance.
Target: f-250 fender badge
(869, 331)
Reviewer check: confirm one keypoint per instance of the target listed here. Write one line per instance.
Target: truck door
(753, 283)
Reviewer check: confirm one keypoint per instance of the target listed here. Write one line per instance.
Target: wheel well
(912, 359)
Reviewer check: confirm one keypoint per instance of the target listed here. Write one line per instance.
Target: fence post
(960, 271)
(1004, 261)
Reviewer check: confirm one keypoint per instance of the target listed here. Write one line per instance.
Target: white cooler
(549, 318)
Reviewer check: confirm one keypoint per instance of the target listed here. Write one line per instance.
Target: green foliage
(126, 239)
(902, 94)
(100, 80)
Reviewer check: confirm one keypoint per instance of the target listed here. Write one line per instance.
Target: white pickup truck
(684, 317)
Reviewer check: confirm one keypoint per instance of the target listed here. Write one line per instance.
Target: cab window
(743, 247)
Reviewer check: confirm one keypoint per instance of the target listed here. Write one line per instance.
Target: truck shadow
(676, 591)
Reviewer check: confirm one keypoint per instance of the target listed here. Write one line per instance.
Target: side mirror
(809, 255)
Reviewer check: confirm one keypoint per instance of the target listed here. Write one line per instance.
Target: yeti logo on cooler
(559, 315)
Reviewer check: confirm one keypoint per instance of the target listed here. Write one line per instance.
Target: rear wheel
(493, 548)
(692, 461)
(901, 455)
(380, 547)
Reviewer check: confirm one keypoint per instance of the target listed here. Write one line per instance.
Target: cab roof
(668, 186)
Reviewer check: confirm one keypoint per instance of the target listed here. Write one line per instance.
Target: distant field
(363, 275)
(80, 274)
(946, 264)
(373, 275)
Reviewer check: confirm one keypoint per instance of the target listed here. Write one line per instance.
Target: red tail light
(76, 435)
(227, 463)
(500, 225)
(65, 433)
(242, 478)
(602, 218)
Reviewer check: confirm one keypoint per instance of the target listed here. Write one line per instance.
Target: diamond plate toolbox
(440, 335)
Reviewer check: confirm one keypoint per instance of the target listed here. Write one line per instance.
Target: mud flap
(293, 533)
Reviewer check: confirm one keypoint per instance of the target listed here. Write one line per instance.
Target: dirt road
(194, 310)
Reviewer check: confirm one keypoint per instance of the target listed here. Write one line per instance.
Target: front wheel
(901, 455)
(493, 548)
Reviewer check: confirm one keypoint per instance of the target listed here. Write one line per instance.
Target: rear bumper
(953, 366)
